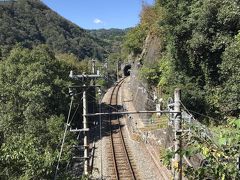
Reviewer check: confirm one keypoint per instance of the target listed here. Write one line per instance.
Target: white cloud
(98, 21)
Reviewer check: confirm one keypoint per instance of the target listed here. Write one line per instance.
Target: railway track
(120, 160)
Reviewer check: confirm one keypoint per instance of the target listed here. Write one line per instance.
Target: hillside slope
(113, 37)
(31, 23)
(197, 49)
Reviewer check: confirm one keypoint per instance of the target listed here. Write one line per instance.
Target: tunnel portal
(126, 70)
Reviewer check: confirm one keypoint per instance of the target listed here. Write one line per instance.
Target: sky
(97, 14)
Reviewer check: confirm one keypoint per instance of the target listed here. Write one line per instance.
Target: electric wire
(63, 140)
(68, 124)
(203, 115)
(185, 108)
(108, 105)
(73, 115)
(78, 103)
(66, 127)
(203, 126)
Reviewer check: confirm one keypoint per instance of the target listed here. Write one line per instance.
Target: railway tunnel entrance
(127, 70)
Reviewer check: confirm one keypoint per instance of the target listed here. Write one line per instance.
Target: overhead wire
(189, 111)
(74, 114)
(203, 126)
(66, 128)
(65, 131)
(63, 140)
(203, 115)
(104, 104)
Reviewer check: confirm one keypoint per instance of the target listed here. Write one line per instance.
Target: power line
(104, 104)
(202, 115)
(196, 112)
(63, 140)
(73, 115)
(207, 132)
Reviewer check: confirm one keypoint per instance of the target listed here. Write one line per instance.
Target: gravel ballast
(145, 156)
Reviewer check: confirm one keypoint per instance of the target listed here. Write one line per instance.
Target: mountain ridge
(30, 23)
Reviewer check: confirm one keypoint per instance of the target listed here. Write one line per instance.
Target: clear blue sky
(96, 14)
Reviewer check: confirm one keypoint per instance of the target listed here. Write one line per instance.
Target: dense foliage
(220, 157)
(33, 106)
(31, 23)
(34, 78)
(134, 40)
(113, 37)
(200, 51)
(200, 54)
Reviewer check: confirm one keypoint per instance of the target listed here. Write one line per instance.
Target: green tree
(34, 101)
(31, 23)
(134, 40)
(230, 75)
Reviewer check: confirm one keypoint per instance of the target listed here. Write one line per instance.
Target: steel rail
(112, 145)
(127, 158)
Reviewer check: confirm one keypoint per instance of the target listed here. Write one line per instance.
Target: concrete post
(83, 77)
(93, 66)
(100, 133)
(85, 135)
(117, 70)
(177, 165)
(93, 81)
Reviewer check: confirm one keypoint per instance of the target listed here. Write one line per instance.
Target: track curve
(122, 166)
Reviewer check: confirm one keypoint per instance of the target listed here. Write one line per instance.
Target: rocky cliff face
(151, 52)
(151, 49)
(145, 98)
(149, 56)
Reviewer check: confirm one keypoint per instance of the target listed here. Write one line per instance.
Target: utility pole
(177, 163)
(85, 129)
(93, 81)
(93, 66)
(85, 133)
(117, 70)
(100, 130)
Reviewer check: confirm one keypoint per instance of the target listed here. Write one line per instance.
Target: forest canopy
(199, 51)
(31, 23)
(33, 106)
